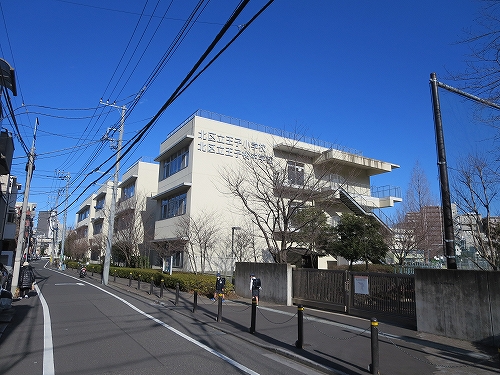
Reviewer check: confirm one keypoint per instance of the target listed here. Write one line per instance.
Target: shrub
(188, 282)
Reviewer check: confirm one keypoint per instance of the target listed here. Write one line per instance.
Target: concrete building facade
(206, 145)
(132, 210)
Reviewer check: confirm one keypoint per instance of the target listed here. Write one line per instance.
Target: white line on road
(163, 324)
(80, 284)
(48, 348)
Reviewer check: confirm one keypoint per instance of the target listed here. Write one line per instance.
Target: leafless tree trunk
(273, 189)
(413, 225)
(200, 235)
(476, 190)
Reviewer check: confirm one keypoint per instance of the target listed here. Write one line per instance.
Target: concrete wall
(276, 281)
(459, 304)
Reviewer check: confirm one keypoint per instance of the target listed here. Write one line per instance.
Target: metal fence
(357, 293)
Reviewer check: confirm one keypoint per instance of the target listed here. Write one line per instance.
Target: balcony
(6, 152)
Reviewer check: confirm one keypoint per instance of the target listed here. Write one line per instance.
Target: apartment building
(8, 196)
(201, 149)
(132, 209)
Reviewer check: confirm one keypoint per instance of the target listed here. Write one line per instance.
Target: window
(177, 259)
(128, 191)
(175, 162)
(295, 173)
(99, 205)
(83, 215)
(173, 206)
(97, 227)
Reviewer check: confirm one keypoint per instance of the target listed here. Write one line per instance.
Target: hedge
(188, 282)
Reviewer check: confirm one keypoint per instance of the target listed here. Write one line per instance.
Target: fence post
(300, 327)
(254, 313)
(139, 282)
(130, 279)
(347, 292)
(176, 294)
(219, 307)
(151, 286)
(195, 303)
(161, 288)
(374, 345)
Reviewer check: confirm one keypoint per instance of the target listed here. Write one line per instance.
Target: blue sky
(354, 73)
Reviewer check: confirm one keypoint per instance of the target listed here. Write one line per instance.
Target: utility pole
(54, 227)
(111, 224)
(19, 249)
(449, 233)
(65, 217)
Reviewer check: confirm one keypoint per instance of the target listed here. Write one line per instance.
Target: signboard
(361, 285)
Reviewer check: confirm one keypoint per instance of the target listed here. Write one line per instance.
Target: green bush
(188, 282)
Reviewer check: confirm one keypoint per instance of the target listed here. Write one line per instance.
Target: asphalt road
(94, 329)
(125, 329)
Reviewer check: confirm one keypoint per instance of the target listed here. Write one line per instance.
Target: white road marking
(48, 345)
(80, 284)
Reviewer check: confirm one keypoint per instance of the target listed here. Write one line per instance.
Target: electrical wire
(130, 144)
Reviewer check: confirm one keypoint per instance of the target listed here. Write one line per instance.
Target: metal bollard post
(374, 366)
(219, 307)
(195, 303)
(300, 327)
(114, 276)
(139, 282)
(151, 287)
(161, 288)
(130, 279)
(92, 270)
(254, 313)
(176, 294)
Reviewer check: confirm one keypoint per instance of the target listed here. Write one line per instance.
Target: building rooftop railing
(266, 129)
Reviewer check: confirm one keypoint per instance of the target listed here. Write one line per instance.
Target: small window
(295, 173)
(177, 259)
(176, 162)
(83, 215)
(99, 205)
(128, 191)
(173, 206)
(97, 227)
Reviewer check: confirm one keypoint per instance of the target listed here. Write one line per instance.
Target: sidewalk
(333, 343)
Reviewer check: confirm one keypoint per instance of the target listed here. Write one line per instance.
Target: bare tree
(131, 228)
(476, 192)
(273, 189)
(482, 76)
(414, 224)
(200, 234)
(76, 246)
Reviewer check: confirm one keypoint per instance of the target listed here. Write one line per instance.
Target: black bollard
(195, 303)
(254, 313)
(130, 279)
(300, 327)
(219, 307)
(374, 344)
(161, 288)
(114, 276)
(151, 287)
(176, 294)
(139, 282)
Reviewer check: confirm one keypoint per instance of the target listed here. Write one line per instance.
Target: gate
(364, 294)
